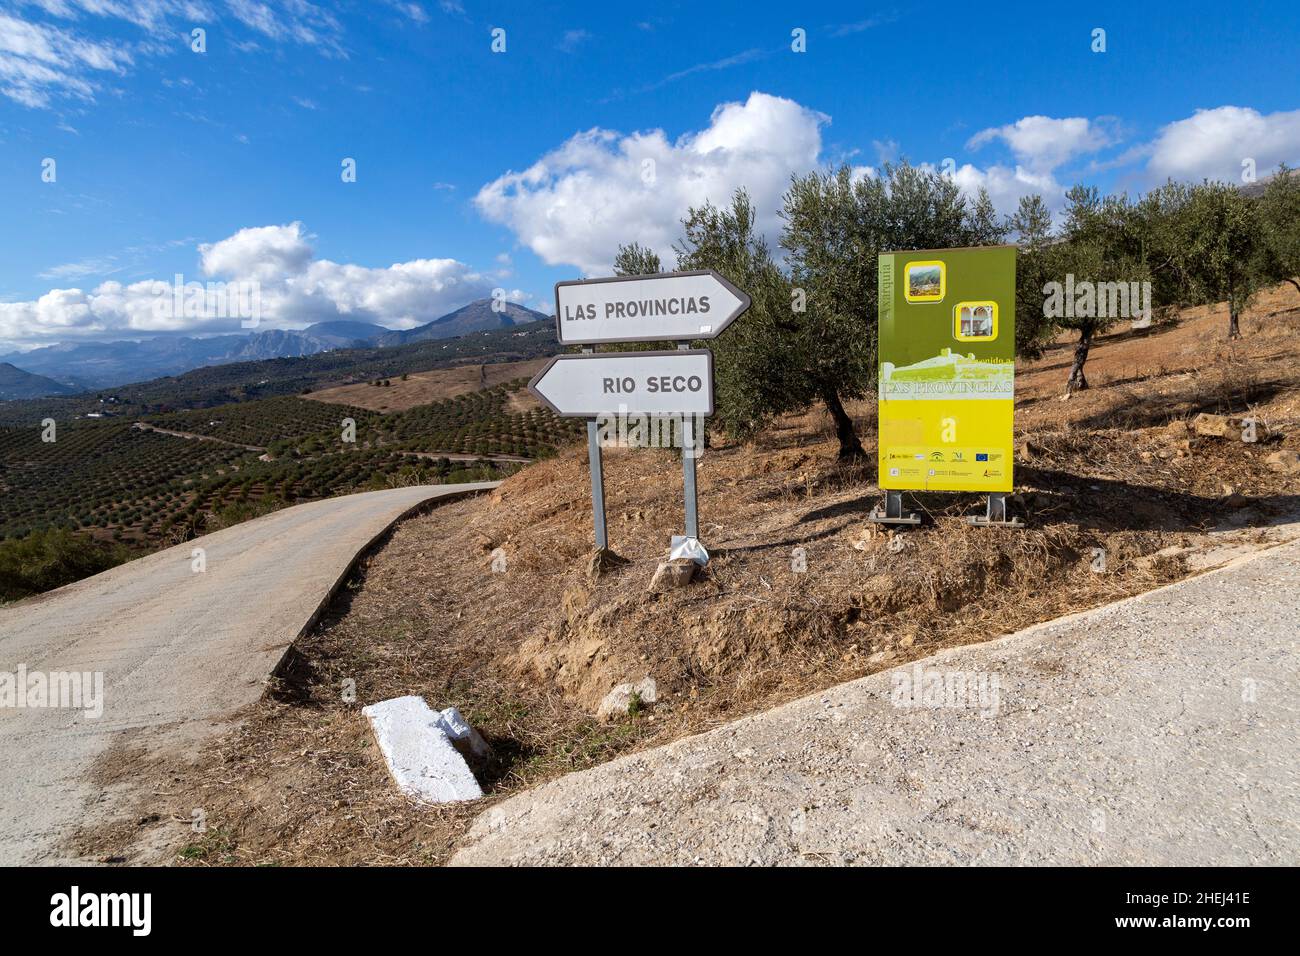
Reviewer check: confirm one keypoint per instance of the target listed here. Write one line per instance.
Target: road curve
(180, 650)
(1160, 730)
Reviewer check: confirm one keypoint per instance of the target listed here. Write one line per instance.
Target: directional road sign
(632, 383)
(670, 306)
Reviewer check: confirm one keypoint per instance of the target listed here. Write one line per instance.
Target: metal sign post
(597, 466)
(688, 470)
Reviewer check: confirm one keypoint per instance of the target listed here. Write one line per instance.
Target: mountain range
(85, 366)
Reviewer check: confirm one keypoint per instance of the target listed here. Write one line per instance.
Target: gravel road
(1161, 730)
(180, 651)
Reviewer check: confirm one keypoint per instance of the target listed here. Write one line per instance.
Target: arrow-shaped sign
(671, 305)
(627, 383)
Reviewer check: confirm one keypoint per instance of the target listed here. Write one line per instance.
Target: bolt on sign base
(995, 515)
(892, 512)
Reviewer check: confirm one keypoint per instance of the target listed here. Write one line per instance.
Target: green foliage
(1222, 247)
(1279, 215)
(811, 333)
(636, 260)
(1031, 224)
(52, 558)
(1101, 244)
(242, 510)
(756, 366)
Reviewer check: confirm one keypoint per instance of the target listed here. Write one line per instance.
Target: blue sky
(225, 164)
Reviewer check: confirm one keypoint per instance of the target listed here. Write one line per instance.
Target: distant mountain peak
(481, 315)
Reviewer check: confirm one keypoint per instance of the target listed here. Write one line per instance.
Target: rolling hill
(17, 384)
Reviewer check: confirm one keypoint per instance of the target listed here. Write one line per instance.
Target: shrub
(50, 559)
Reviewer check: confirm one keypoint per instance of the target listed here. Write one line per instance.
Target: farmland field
(116, 480)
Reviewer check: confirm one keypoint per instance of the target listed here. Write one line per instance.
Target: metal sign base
(893, 512)
(995, 516)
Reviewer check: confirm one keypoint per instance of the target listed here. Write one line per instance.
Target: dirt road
(1159, 730)
(193, 436)
(179, 650)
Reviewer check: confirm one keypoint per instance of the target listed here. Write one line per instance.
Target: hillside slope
(801, 593)
(16, 383)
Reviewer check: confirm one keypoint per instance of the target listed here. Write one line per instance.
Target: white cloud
(1211, 144)
(1040, 146)
(261, 252)
(39, 62)
(412, 11)
(572, 39)
(848, 29)
(291, 20)
(1006, 184)
(147, 14)
(43, 62)
(96, 266)
(296, 289)
(1042, 143)
(577, 203)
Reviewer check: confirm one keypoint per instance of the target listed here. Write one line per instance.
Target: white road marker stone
(424, 762)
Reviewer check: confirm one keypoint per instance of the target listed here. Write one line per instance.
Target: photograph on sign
(627, 383)
(947, 378)
(975, 321)
(925, 281)
(662, 307)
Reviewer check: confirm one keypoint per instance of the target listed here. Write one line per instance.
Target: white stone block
(458, 729)
(424, 762)
(619, 700)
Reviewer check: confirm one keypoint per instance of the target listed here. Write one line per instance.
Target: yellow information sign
(947, 344)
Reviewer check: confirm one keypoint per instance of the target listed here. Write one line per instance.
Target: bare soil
(527, 653)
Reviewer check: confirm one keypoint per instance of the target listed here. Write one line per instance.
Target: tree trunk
(1078, 382)
(850, 447)
(1234, 330)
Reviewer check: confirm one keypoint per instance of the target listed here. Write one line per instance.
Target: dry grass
(423, 388)
(528, 653)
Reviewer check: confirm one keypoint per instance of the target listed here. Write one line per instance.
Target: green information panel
(947, 369)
